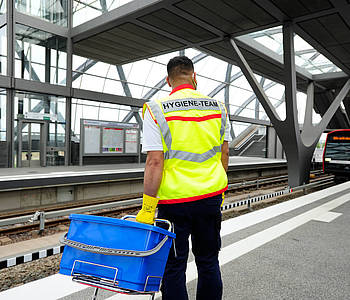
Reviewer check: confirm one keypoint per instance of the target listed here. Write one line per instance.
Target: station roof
(145, 28)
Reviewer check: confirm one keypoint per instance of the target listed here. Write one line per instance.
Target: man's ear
(194, 80)
(167, 80)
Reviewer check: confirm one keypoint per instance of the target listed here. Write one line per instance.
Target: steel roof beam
(134, 110)
(114, 18)
(330, 76)
(257, 88)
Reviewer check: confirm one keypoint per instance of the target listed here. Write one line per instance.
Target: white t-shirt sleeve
(152, 138)
(228, 136)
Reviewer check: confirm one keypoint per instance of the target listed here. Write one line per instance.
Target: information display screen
(112, 140)
(131, 137)
(91, 143)
(109, 138)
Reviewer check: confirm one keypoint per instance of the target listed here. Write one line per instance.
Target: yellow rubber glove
(147, 213)
(223, 199)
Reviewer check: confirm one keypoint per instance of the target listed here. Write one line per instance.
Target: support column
(11, 74)
(298, 156)
(309, 105)
(68, 116)
(271, 142)
(299, 146)
(279, 148)
(227, 95)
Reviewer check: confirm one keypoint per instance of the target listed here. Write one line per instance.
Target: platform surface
(62, 170)
(297, 249)
(19, 178)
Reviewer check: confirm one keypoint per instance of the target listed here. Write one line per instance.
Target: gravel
(30, 271)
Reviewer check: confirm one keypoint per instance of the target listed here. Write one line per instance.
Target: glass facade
(2, 7)
(40, 56)
(3, 50)
(106, 78)
(93, 110)
(146, 80)
(54, 11)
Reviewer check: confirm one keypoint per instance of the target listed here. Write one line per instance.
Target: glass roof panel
(212, 67)
(305, 55)
(242, 83)
(86, 10)
(206, 85)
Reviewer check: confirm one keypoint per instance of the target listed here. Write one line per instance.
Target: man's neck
(182, 86)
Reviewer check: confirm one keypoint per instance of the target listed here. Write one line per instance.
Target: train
(336, 154)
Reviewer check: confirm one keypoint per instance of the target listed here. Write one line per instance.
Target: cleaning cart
(116, 254)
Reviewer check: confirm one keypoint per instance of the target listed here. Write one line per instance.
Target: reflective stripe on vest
(194, 157)
(183, 155)
(163, 125)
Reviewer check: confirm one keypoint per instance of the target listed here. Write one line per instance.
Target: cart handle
(170, 228)
(111, 251)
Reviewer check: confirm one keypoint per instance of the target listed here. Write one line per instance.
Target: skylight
(85, 10)
(305, 55)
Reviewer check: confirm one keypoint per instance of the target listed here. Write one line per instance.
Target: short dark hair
(179, 65)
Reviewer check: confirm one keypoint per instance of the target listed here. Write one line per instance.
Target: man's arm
(153, 172)
(224, 155)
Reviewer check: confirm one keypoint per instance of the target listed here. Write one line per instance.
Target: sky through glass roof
(305, 55)
(85, 10)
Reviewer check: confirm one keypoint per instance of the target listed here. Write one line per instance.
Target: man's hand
(148, 210)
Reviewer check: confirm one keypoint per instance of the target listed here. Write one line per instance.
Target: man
(187, 159)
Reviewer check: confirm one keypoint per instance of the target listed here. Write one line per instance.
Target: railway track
(53, 217)
(233, 187)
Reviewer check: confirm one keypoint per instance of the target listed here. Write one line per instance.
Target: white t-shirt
(152, 138)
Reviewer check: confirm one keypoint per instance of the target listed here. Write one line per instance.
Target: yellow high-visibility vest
(192, 127)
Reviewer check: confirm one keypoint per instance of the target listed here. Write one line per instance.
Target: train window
(338, 148)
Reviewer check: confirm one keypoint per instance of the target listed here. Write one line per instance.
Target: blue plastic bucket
(134, 272)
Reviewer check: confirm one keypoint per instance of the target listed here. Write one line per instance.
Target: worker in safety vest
(186, 138)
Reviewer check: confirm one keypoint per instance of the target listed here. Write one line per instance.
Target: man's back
(192, 127)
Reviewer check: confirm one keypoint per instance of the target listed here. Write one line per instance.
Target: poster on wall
(91, 139)
(131, 136)
(112, 140)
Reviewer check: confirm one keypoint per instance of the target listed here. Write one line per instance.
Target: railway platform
(18, 178)
(30, 188)
(298, 249)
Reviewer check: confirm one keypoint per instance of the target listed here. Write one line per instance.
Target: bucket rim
(119, 222)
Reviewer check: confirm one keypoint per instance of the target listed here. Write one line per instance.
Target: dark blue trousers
(202, 220)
